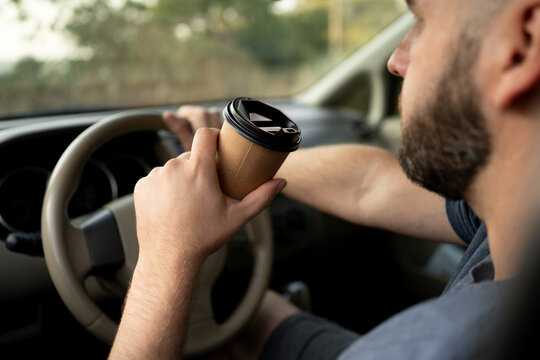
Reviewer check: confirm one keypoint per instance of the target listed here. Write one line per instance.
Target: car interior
(355, 276)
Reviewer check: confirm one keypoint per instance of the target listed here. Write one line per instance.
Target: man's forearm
(365, 185)
(156, 312)
(334, 178)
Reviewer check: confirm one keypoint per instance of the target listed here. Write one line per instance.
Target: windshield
(60, 55)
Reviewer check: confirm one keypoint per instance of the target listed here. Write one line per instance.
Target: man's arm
(362, 184)
(176, 232)
(156, 312)
(366, 185)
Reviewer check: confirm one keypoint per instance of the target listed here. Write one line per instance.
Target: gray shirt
(453, 325)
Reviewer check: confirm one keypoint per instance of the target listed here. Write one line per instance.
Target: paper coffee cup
(254, 141)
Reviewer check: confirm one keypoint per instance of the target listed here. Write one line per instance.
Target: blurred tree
(27, 70)
(211, 10)
(251, 25)
(286, 40)
(146, 52)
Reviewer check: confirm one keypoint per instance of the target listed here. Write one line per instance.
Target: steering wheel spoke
(105, 242)
(77, 251)
(102, 240)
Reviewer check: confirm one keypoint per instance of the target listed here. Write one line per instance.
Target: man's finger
(215, 117)
(186, 155)
(204, 146)
(260, 198)
(181, 128)
(197, 116)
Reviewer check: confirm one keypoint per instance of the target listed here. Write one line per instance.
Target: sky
(285, 5)
(34, 36)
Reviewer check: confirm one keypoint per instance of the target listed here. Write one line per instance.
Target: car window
(80, 55)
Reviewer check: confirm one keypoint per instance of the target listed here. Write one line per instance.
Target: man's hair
(481, 14)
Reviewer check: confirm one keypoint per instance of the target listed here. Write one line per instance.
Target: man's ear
(521, 68)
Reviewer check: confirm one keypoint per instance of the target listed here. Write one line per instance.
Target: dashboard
(108, 175)
(30, 149)
(30, 158)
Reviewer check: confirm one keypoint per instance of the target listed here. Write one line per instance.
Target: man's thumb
(254, 202)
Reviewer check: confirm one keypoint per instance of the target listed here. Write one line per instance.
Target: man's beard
(446, 143)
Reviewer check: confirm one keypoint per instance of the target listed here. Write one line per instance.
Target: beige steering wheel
(76, 250)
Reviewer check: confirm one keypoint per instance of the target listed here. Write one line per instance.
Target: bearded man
(470, 110)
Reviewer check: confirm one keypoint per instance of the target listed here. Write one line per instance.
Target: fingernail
(282, 185)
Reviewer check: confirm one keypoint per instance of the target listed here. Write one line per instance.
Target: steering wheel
(79, 249)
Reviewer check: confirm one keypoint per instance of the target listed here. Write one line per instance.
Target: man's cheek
(406, 99)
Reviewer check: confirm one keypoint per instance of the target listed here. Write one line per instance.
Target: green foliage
(144, 53)
(27, 69)
(285, 40)
(186, 10)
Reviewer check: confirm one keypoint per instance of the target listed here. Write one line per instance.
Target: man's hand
(188, 119)
(180, 207)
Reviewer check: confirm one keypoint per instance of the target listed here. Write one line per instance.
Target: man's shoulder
(431, 329)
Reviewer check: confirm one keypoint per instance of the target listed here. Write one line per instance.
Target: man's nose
(399, 62)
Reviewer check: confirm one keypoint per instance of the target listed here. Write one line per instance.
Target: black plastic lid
(263, 124)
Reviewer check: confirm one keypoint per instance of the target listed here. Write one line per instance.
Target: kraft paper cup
(254, 141)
